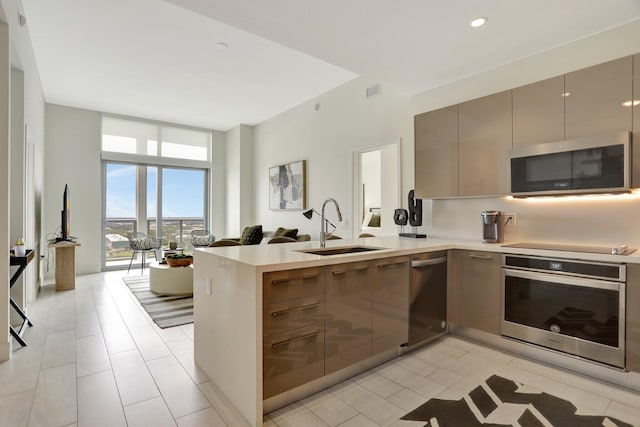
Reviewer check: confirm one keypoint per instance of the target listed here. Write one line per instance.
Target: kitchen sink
(340, 250)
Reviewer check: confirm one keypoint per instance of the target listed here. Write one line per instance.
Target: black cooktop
(614, 250)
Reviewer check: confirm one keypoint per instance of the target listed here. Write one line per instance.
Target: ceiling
(159, 59)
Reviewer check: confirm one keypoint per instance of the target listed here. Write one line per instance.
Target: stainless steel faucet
(323, 223)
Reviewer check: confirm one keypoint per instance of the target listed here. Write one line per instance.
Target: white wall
(346, 121)
(389, 184)
(32, 111)
(239, 180)
(5, 154)
(217, 186)
(73, 158)
(17, 220)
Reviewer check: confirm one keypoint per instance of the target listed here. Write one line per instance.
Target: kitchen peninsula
(229, 299)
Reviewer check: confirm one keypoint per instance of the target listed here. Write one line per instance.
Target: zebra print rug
(165, 310)
(497, 401)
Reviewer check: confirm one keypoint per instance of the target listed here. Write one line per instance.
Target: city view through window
(129, 188)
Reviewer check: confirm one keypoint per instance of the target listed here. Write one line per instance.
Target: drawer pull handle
(391, 264)
(427, 262)
(357, 269)
(278, 281)
(485, 257)
(275, 345)
(302, 307)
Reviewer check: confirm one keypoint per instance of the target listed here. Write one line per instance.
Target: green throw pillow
(374, 221)
(286, 232)
(251, 235)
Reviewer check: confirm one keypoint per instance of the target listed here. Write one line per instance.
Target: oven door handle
(565, 280)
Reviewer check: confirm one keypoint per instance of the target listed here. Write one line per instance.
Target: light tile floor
(95, 358)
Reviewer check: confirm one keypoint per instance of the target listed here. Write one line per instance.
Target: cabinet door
(538, 112)
(633, 318)
(485, 128)
(390, 303)
(436, 153)
(635, 179)
(348, 315)
(481, 296)
(594, 104)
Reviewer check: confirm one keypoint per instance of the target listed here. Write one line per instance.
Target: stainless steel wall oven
(574, 306)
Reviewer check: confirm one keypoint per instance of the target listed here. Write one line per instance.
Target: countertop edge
(288, 256)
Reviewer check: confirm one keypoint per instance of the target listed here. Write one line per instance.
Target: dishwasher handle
(427, 262)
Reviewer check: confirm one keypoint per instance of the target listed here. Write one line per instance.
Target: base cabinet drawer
(292, 358)
(289, 284)
(292, 314)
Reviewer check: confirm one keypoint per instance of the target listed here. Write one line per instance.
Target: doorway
(377, 189)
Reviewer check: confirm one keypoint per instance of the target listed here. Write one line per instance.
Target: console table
(65, 264)
(21, 262)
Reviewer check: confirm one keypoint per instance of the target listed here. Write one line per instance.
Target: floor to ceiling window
(158, 189)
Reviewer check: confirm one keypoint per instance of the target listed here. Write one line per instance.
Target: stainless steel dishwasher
(428, 298)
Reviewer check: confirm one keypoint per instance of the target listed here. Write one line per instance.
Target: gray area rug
(165, 310)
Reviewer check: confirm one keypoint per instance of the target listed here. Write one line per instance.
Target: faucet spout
(323, 223)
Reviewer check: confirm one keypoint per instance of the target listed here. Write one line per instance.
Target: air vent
(373, 90)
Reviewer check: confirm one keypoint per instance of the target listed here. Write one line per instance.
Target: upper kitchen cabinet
(436, 153)
(538, 112)
(485, 138)
(595, 97)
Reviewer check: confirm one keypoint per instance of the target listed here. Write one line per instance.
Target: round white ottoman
(170, 280)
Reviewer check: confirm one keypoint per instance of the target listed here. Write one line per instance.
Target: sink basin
(340, 250)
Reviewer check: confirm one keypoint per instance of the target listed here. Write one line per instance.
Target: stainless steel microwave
(593, 165)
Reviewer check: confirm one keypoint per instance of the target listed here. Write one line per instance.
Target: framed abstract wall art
(287, 186)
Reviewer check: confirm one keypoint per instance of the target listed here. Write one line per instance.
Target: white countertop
(286, 255)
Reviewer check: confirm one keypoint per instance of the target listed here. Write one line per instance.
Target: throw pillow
(202, 240)
(286, 232)
(374, 221)
(251, 235)
(144, 244)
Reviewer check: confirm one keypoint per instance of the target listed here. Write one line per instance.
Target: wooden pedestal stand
(65, 264)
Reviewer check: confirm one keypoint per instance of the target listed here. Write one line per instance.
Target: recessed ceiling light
(565, 94)
(222, 45)
(478, 22)
(633, 103)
